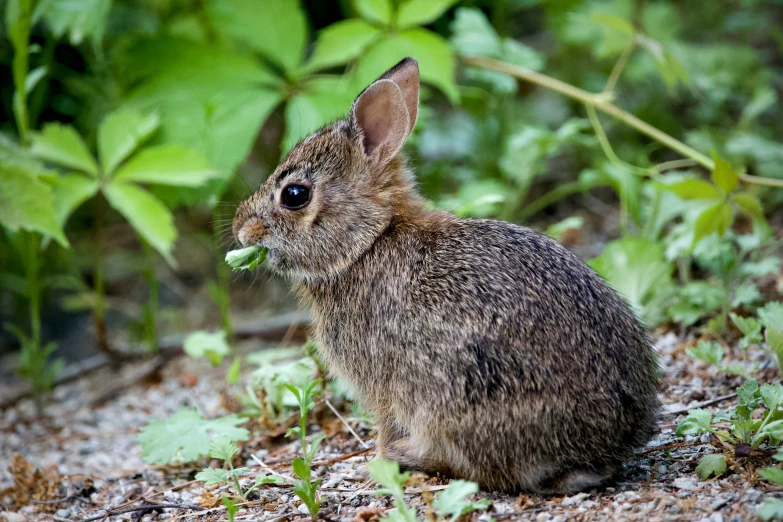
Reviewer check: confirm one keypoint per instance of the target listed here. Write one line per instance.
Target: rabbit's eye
(295, 196)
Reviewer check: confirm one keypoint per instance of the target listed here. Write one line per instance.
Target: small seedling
(712, 353)
(246, 258)
(224, 449)
(305, 488)
(231, 507)
(387, 474)
(212, 345)
(449, 505)
(743, 430)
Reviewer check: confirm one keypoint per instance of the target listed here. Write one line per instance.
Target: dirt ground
(79, 458)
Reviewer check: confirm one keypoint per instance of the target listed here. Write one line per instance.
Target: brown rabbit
(486, 350)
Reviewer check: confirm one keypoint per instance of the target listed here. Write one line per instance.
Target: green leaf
(697, 421)
(375, 10)
(62, 145)
(70, 191)
(453, 500)
(146, 214)
(186, 436)
(234, 371)
(314, 444)
(750, 328)
(387, 474)
(766, 266)
(749, 204)
(80, 19)
(749, 396)
(771, 509)
(613, 22)
(436, 61)
(773, 430)
(713, 464)
(167, 165)
(746, 294)
(691, 189)
(341, 42)
(772, 474)
(638, 269)
(774, 338)
(275, 28)
(771, 315)
(212, 476)
(711, 353)
(772, 395)
(197, 344)
(301, 469)
(26, 202)
(670, 69)
(223, 448)
(231, 507)
(325, 101)
(262, 480)
(421, 12)
(120, 133)
(723, 175)
(246, 258)
(473, 35)
(172, 68)
(715, 218)
(34, 77)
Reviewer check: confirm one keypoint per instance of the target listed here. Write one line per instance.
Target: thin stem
(34, 289)
(151, 311)
(606, 146)
(99, 309)
(617, 70)
(236, 480)
(602, 103)
(675, 164)
(556, 194)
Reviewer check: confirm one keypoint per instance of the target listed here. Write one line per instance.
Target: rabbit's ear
(381, 119)
(406, 75)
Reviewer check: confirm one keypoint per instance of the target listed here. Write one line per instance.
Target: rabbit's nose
(251, 232)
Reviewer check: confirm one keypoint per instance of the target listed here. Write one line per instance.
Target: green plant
(450, 504)
(231, 507)
(185, 436)
(213, 346)
(246, 258)
(712, 353)
(119, 175)
(225, 449)
(639, 270)
(386, 32)
(743, 429)
(306, 488)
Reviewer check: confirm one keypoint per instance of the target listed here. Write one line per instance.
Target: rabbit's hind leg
(575, 480)
(410, 457)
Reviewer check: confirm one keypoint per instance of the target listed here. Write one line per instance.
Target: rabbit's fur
(486, 350)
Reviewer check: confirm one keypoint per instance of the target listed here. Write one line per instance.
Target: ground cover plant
(642, 134)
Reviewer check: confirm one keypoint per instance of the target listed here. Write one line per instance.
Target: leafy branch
(602, 102)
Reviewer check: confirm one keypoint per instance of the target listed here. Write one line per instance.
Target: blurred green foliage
(134, 113)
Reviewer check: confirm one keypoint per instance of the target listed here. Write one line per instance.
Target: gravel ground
(82, 449)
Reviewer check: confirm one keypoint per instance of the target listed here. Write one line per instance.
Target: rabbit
(485, 350)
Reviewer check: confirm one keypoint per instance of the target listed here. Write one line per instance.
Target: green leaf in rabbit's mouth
(246, 258)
